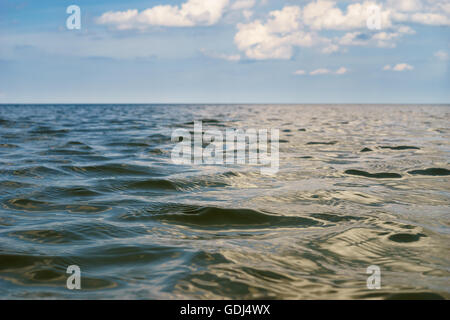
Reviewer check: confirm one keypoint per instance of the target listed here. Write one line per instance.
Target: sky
(225, 51)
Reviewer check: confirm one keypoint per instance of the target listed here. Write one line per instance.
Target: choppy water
(94, 186)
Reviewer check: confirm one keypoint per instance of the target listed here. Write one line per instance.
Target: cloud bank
(188, 14)
(294, 26)
(277, 34)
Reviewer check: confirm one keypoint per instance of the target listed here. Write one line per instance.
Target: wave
(114, 169)
(379, 175)
(431, 172)
(329, 143)
(215, 217)
(400, 147)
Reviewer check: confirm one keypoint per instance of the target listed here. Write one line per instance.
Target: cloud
(330, 48)
(399, 67)
(341, 70)
(402, 67)
(405, 30)
(319, 71)
(324, 14)
(322, 71)
(426, 12)
(380, 39)
(243, 4)
(189, 14)
(405, 5)
(441, 55)
(275, 38)
(247, 14)
(385, 39)
(434, 19)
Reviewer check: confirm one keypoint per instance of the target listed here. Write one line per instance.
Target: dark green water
(95, 186)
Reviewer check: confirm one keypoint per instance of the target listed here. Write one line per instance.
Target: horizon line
(225, 103)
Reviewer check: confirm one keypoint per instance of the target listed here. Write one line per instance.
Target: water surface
(94, 186)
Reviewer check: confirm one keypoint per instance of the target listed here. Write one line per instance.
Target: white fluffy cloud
(399, 67)
(426, 12)
(324, 14)
(188, 14)
(275, 38)
(296, 26)
(316, 15)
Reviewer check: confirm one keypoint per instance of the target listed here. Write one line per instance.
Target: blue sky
(225, 51)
